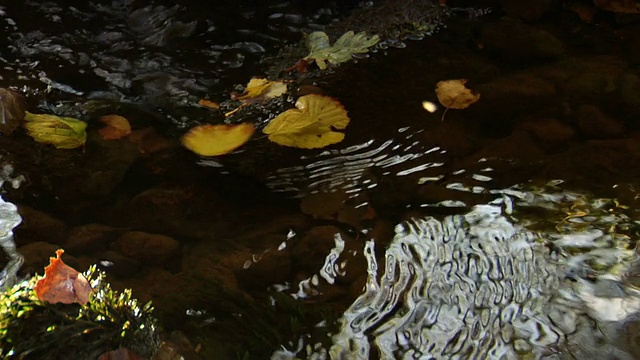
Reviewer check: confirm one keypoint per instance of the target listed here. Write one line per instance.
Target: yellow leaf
(117, 127)
(311, 124)
(213, 140)
(262, 89)
(452, 94)
(61, 132)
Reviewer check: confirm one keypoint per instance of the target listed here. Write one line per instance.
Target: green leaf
(341, 51)
(61, 132)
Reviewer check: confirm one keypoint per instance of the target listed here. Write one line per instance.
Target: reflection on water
(484, 285)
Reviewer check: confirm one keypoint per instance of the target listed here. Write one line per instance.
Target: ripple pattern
(471, 286)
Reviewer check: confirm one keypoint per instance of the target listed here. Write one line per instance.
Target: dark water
(506, 231)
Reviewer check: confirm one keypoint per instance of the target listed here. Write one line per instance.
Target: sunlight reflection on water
(482, 285)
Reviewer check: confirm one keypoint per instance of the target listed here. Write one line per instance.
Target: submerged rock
(147, 248)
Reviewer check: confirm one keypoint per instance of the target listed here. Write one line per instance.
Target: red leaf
(62, 283)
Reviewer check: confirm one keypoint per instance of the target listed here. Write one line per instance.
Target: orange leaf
(209, 104)
(117, 127)
(62, 283)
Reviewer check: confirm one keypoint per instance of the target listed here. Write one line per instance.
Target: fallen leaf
(311, 124)
(209, 104)
(12, 110)
(259, 89)
(120, 354)
(452, 94)
(61, 132)
(148, 140)
(321, 50)
(117, 127)
(619, 6)
(213, 140)
(62, 283)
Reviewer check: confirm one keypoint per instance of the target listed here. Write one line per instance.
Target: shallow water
(508, 230)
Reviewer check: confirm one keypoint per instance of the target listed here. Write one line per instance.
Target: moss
(32, 329)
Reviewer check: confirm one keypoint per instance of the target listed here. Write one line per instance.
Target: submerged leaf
(61, 132)
(12, 110)
(117, 127)
(62, 283)
(213, 140)
(341, 51)
(311, 124)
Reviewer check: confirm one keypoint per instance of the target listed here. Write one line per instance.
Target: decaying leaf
(149, 141)
(452, 94)
(213, 140)
(12, 110)
(62, 283)
(117, 127)
(259, 89)
(619, 6)
(311, 125)
(321, 50)
(61, 132)
(209, 104)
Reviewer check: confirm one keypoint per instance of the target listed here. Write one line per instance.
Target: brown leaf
(117, 127)
(120, 354)
(619, 6)
(62, 283)
(12, 110)
(149, 141)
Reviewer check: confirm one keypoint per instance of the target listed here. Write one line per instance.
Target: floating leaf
(117, 127)
(61, 132)
(259, 89)
(213, 140)
(311, 124)
(62, 283)
(452, 94)
(321, 50)
(12, 110)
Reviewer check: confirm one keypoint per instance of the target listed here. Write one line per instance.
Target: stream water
(507, 230)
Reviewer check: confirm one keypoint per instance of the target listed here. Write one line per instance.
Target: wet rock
(595, 124)
(176, 209)
(517, 43)
(589, 78)
(114, 263)
(598, 163)
(257, 270)
(204, 262)
(551, 134)
(526, 10)
(309, 253)
(628, 90)
(506, 99)
(90, 238)
(146, 248)
(39, 226)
